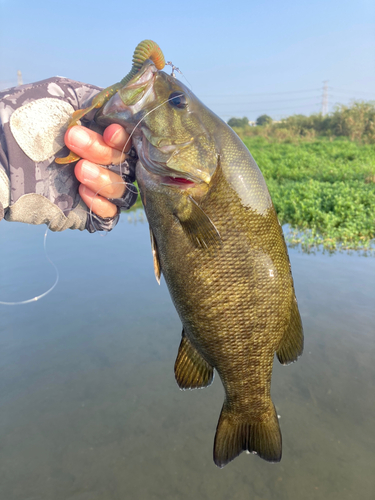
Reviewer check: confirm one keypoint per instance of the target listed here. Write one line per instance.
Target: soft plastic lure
(144, 50)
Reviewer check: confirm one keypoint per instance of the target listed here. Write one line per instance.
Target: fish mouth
(156, 162)
(179, 182)
(140, 89)
(129, 101)
(145, 76)
(161, 155)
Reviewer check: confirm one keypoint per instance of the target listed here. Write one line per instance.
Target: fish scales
(217, 241)
(224, 299)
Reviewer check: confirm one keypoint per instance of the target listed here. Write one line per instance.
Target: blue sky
(240, 57)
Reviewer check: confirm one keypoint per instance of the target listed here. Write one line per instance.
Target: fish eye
(178, 100)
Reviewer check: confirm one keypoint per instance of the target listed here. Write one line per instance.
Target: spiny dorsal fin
(191, 370)
(291, 346)
(235, 434)
(155, 256)
(197, 225)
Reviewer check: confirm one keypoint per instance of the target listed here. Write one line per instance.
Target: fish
(217, 241)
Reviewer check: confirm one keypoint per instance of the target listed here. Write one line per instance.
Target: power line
(342, 91)
(334, 89)
(270, 110)
(262, 93)
(7, 83)
(261, 102)
(325, 98)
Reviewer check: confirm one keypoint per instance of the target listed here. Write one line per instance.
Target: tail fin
(234, 435)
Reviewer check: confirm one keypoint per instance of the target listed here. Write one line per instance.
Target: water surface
(89, 409)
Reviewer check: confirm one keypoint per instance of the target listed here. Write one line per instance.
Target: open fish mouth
(187, 156)
(143, 77)
(156, 160)
(167, 175)
(179, 182)
(129, 100)
(138, 90)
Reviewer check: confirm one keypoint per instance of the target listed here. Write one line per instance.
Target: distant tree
(238, 122)
(263, 120)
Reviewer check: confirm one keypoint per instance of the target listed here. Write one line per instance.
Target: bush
(238, 122)
(356, 122)
(323, 189)
(263, 120)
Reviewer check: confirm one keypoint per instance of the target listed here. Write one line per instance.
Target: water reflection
(88, 402)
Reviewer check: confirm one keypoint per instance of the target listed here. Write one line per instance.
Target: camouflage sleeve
(33, 188)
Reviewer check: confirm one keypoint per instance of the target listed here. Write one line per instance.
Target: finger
(117, 137)
(97, 204)
(99, 179)
(91, 146)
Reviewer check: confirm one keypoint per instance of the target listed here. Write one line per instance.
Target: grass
(356, 122)
(324, 190)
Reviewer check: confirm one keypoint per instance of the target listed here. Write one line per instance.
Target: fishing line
(187, 81)
(128, 186)
(37, 297)
(141, 120)
(174, 68)
(90, 214)
(57, 276)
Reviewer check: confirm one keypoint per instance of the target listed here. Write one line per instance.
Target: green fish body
(217, 240)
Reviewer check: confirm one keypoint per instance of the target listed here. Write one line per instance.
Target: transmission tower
(325, 98)
(19, 78)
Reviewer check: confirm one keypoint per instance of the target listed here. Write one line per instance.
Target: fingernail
(89, 171)
(79, 137)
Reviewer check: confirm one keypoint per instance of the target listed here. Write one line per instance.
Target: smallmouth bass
(216, 239)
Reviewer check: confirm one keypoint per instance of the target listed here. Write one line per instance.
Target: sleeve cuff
(95, 223)
(129, 197)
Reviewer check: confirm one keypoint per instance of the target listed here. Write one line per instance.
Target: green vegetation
(356, 122)
(320, 171)
(238, 122)
(263, 120)
(137, 205)
(324, 190)
(321, 175)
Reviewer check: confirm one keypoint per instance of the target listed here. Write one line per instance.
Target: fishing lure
(143, 51)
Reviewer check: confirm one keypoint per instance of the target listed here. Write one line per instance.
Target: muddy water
(89, 409)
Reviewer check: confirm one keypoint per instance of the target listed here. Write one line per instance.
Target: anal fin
(191, 370)
(155, 256)
(291, 346)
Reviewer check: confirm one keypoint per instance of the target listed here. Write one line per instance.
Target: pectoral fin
(197, 225)
(291, 346)
(191, 370)
(155, 255)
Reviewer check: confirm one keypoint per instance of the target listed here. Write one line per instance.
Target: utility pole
(19, 78)
(325, 98)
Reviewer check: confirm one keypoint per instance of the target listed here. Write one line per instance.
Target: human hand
(96, 150)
